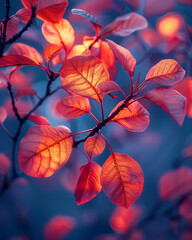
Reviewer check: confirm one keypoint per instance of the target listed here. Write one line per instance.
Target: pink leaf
(25, 91)
(3, 114)
(23, 15)
(108, 87)
(5, 164)
(171, 101)
(124, 56)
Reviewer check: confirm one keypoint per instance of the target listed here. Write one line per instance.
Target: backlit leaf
(94, 145)
(16, 60)
(78, 50)
(124, 25)
(3, 114)
(165, 72)
(170, 101)
(51, 51)
(82, 74)
(58, 227)
(44, 150)
(48, 10)
(124, 56)
(88, 184)
(185, 88)
(73, 106)
(134, 118)
(175, 183)
(107, 56)
(25, 91)
(60, 33)
(122, 179)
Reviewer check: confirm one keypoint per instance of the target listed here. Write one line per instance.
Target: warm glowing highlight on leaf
(88, 184)
(82, 74)
(60, 33)
(122, 179)
(44, 150)
(165, 72)
(134, 118)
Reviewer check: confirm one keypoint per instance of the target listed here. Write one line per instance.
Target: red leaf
(3, 114)
(25, 91)
(58, 227)
(88, 184)
(108, 87)
(44, 150)
(73, 106)
(23, 15)
(153, 7)
(40, 120)
(48, 10)
(165, 72)
(12, 27)
(5, 164)
(107, 56)
(82, 74)
(171, 101)
(94, 145)
(134, 118)
(124, 56)
(60, 33)
(185, 88)
(122, 179)
(123, 219)
(124, 25)
(15, 60)
(185, 209)
(175, 183)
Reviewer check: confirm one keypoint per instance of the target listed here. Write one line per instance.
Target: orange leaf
(78, 50)
(60, 33)
(134, 118)
(58, 227)
(124, 25)
(23, 15)
(44, 150)
(165, 72)
(122, 179)
(88, 184)
(185, 88)
(82, 74)
(51, 51)
(171, 101)
(175, 183)
(94, 145)
(108, 87)
(108, 57)
(3, 114)
(124, 56)
(73, 106)
(25, 91)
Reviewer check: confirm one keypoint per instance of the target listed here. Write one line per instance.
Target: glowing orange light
(169, 25)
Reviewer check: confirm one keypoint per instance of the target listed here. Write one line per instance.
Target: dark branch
(19, 34)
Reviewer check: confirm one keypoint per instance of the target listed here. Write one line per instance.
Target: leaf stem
(81, 150)
(93, 116)
(6, 130)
